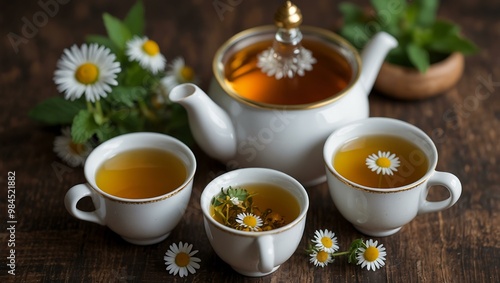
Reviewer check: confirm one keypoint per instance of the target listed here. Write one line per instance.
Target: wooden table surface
(461, 244)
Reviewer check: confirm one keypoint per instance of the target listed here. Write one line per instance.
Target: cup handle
(75, 194)
(450, 182)
(266, 253)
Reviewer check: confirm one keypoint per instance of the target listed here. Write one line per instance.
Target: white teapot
(288, 136)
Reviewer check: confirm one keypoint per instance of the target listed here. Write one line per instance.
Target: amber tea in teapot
(328, 77)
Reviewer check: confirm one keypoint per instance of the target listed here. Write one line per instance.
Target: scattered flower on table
(321, 258)
(249, 220)
(383, 162)
(326, 241)
(323, 248)
(89, 70)
(371, 255)
(180, 259)
(72, 153)
(147, 53)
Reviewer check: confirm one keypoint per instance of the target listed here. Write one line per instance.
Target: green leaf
(84, 127)
(356, 34)
(453, 43)
(117, 30)
(427, 10)
(418, 56)
(126, 95)
(351, 12)
(135, 19)
(106, 131)
(56, 110)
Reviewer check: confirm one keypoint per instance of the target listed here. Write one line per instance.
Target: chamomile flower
(179, 259)
(325, 241)
(89, 70)
(249, 220)
(372, 256)
(235, 200)
(147, 53)
(177, 73)
(384, 162)
(320, 258)
(72, 153)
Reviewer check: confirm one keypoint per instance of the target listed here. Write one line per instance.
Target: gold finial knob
(288, 16)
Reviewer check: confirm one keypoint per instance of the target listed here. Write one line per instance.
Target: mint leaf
(427, 10)
(56, 111)
(351, 12)
(418, 56)
(135, 19)
(126, 95)
(117, 31)
(84, 127)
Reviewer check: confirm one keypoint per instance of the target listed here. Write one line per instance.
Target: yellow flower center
(87, 73)
(322, 256)
(151, 48)
(187, 73)
(371, 254)
(250, 221)
(327, 242)
(383, 162)
(182, 259)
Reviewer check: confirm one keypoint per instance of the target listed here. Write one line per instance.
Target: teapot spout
(210, 125)
(373, 56)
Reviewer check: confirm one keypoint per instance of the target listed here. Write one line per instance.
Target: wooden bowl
(409, 84)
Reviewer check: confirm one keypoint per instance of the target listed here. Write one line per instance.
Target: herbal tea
(331, 74)
(141, 173)
(381, 161)
(254, 207)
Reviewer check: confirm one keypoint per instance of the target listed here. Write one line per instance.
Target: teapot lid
(286, 57)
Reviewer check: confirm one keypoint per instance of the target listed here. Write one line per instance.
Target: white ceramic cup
(382, 212)
(138, 221)
(254, 253)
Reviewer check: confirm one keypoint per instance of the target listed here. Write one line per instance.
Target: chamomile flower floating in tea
(180, 259)
(383, 162)
(325, 241)
(89, 70)
(371, 255)
(321, 258)
(147, 53)
(72, 153)
(255, 208)
(249, 220)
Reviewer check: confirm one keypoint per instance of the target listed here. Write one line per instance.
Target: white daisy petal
(94, 81)
(372, 256)
(383, 162)
(179, 259)
(72, 153)
(149, 58)
(249, 220)
(326, 241)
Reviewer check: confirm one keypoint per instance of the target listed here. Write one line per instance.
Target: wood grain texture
(461, 244)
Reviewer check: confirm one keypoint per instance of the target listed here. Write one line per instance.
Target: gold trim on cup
(218, 66)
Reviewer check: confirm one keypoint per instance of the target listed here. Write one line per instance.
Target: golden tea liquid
(267, 196)
(141, 173)
(330, 75)
(350, 161)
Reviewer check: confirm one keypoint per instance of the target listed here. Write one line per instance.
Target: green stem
(341, 253)
(146, 111)
(98, 114)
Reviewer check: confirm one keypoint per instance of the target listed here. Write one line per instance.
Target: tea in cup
(140, 185)
(254, 218)
(379, 172)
